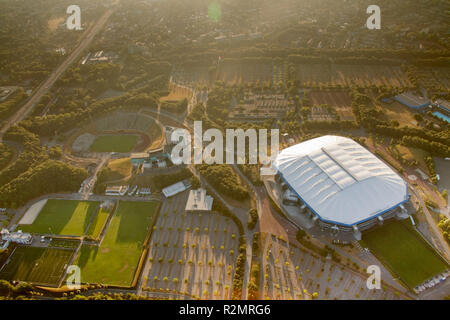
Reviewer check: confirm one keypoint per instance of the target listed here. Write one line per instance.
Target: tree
(58, 177)
(252, 218)
(195, 182)
(55, 152)
(5, 287)
(418, 117)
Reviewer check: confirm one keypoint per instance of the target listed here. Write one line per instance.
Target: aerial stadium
(334, 185)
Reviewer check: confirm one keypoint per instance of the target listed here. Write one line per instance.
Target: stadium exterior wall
(340, 223)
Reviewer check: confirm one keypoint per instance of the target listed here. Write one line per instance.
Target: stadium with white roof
(338, 185)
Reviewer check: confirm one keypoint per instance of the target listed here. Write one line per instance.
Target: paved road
(438, 292)
(48, 83)
(443, 245)
(89, 183)
(240, 213)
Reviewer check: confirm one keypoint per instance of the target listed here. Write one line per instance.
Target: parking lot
(192, 254)
(292, 273)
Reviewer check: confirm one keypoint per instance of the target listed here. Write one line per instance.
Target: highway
(44, 87)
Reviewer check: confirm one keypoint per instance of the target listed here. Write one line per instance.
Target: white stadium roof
(339, 180)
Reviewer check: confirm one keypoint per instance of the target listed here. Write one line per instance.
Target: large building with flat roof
(176, 188)
(412, 101)
(339, 184)
(198, 201)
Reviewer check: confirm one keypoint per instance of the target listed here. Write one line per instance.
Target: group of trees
(444, 224)
(27, 46)
(329, 125)
(162, 181)
(7, 289)
(431, 168)
(58, 177)
(6, 154)
(103, 176)
(435, 142)
(353, 60)
(31, 155)
(131, 100)
(260, 55)
(251, 171)
(23, 180)
(252, 218)
(224, 179)
(148, 71)
(178, 107)
(239, 276)
(12, 103)
(106, 296)
(435, 148)
(142, 99)
(220, 208)
(218, 105)
(253, 285)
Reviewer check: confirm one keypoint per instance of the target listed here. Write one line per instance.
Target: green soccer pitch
(403, 251)
(114, 262)
(114, 143)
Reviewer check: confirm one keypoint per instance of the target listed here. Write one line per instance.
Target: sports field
(400, 247)
(37, 265)
(115, 261)
(97, 224)
(63, 217)
(114, 143)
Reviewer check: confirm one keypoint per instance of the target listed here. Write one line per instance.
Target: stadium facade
(337, 186)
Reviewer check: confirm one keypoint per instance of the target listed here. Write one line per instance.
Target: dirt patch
(33, 212)
(104, 250)
(83, 142)
(340, 100)
(124, 268)
(332, 98)
(54, 23)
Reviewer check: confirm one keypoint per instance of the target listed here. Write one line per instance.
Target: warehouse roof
(174, 189)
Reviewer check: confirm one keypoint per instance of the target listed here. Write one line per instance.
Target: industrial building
(412, 101)
(176, 188)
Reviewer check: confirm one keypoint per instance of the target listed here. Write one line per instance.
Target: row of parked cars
(432, 282)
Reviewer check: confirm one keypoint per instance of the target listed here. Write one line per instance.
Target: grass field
(399, 246)
(97, 224)
(412, 154)
(114, 143)
(115, 261)
(120, 168)
(37, 265)
(397, 111)
(64, 217)
(6, 155)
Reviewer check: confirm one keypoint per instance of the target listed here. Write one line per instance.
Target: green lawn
(399, 246)
(115, 261)
(38, 265)
(63, 217)
(114, 143)
(97, 224)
